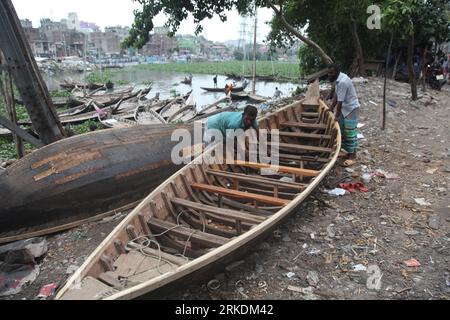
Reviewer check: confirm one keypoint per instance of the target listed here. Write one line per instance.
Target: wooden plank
(283, 169)
(304, 135)
(233, 214)
(294, 157)
(318, 126)
(89, 289)
(240, 194)
(20, 132)
(197, 236)
(303, 147)
(256, 179)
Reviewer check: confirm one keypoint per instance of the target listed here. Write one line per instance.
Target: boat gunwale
(213, 255)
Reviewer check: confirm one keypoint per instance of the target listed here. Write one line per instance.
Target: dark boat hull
(83, 176)
(237, 89)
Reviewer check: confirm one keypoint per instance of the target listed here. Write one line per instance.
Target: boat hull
(81, 177)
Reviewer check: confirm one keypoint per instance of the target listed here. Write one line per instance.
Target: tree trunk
(358, 49)
(6, 89)
(397, 59)
(383, 127)
(424, 69)
(412, 76)
(298, 34)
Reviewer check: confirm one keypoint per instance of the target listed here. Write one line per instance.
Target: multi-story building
(160, 43)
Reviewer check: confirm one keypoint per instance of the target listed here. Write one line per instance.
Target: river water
(168, 83)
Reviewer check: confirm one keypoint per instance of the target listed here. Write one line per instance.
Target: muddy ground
(350, 247)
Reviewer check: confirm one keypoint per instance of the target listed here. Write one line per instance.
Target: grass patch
(264, 68)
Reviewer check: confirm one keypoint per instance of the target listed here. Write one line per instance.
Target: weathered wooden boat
(76, 179)
(238, 96)
(237, 89)
(174, 106)
(208, 214)
(59, 102)
(70, 85)
(254, 98)
(144, 116)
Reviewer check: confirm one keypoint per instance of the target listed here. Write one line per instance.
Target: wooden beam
(283, 169)
(304, 135)
(318, 126)
(226, 213)
(256, 179)
(240, 194)
(303, 147)
(205, 239)
(20, 132)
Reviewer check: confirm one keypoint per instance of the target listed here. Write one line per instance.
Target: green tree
(177, 11)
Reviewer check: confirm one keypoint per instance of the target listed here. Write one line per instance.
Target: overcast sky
(120, 12)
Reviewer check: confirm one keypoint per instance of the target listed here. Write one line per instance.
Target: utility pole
(29, 82)
(254, 49)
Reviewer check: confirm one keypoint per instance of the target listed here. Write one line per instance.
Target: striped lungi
(349, 130)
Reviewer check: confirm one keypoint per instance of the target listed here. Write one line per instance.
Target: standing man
(215, 81)
(347, 111)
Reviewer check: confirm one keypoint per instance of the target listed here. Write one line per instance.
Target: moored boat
(207, 214)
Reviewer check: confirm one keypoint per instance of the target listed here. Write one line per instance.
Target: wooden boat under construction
(73, 180)
(205, 216)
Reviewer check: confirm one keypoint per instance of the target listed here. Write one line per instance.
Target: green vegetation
(99, 76)
(264, 68)
(85, 127)
(8, 149)
(59, 94)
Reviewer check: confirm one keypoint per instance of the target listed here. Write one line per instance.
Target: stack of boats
(129, 106)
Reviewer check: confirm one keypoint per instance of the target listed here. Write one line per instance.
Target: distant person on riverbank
(277, 93)
(347, 113)
(215, 81)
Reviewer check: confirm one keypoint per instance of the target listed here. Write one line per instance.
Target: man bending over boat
(228, 122)
(347, 111)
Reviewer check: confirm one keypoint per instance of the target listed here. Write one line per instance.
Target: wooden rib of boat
(206, 215)
(143, 116)
(71, 181)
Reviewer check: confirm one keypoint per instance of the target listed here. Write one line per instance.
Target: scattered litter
(337, 192)
(352, 187)
(47, 291)
(392, 103)
(71, 269)
(360, 125)
(314, 252)
(412, 232)
(434, 222)
(37, 247)
(359, 267)
(313, 235)
(360, 80)
(330, 231)
(290, 275)
(384, 174)
(374, 103)
(432, 170)
(422, 202)
(447, 280)
(412, 263)
(374, 279)
(366, 178)
(360, 136)
(213, 285)
(313, 278)
(18, 266)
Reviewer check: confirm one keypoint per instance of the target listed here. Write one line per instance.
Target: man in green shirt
(228, 122)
